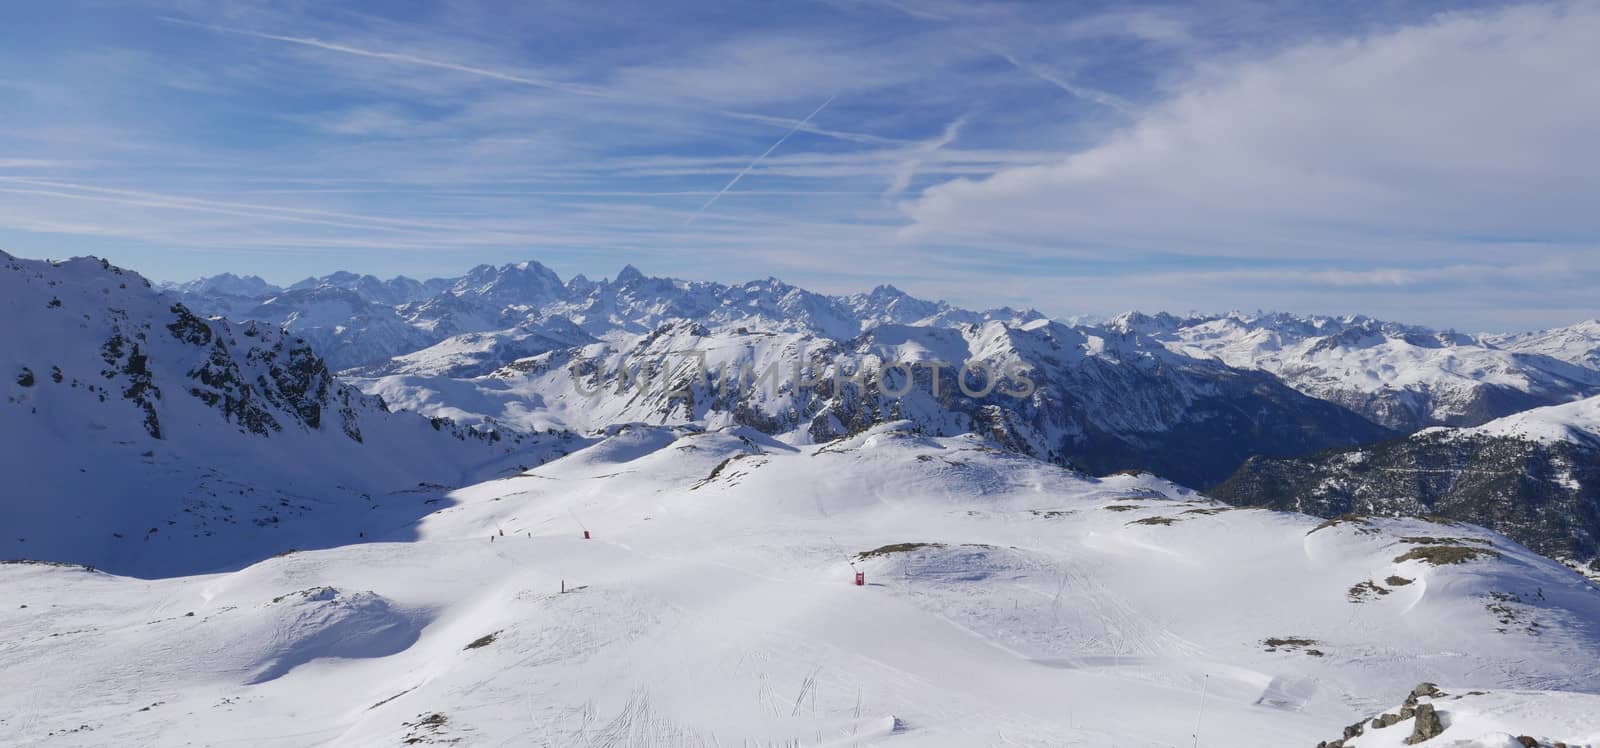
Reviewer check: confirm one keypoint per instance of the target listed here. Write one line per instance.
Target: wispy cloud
(156, 200)
(907, 169)
(521, 78)
(1303, 156)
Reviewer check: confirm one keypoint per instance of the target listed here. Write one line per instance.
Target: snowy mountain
(1402, 376)
(277, 554)
(1004, 601)
(1534, 476)
(225, 295)
(143, 438)
(226, 284)
(1094, 400)
(1576, 344)
(1577, 422)
(489, 299)
(477, 353)
(340, 322)
(1189, 398)
(395, 291)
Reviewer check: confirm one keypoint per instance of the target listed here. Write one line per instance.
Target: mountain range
(638, 504)
(1118, 395)
(1405, 377)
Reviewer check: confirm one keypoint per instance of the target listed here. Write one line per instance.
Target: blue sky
(1427, 162)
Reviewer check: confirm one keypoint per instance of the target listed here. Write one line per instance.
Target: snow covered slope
(474, 354)
(1573, 422)
(1577, 344)
(1006, 601)
(1402, 376)
(1471, 718)
(349, 328)
(142, 438)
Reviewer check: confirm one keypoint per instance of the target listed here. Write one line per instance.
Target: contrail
(855, 137)
(1110, 101)
(752, 164)
(576, 89)
(572, 88)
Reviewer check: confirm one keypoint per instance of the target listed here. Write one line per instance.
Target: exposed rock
(1426, 689)
(1427, 724)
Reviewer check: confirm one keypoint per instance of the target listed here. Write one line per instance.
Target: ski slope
(1007, 602)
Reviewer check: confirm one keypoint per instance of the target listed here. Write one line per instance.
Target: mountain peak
(628, 274)
(227, 284)
(527, 265)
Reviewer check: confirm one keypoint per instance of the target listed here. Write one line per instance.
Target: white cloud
(1467, 127)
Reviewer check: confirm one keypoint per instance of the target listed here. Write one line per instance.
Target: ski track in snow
(721, 612)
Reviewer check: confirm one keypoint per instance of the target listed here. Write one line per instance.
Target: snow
(303, 585)
(1400, 375)
(1495, 719)
(145, 429)
(226, 284)
(1577, 421)
(361, 321)
(1577, 344)
(714, 605)
(1112, 383)
(477, 353)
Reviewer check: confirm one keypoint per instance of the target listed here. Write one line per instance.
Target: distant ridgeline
(116, 383)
